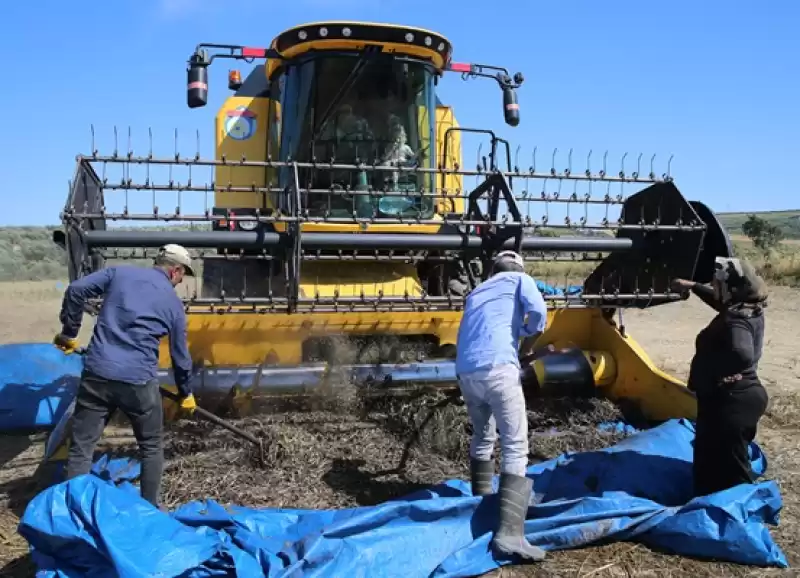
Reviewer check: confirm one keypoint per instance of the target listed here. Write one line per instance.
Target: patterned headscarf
(739, 283)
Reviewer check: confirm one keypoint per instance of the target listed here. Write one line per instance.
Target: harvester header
(339, 210)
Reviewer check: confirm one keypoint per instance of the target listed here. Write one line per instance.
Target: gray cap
(509, 257)
(177, 254)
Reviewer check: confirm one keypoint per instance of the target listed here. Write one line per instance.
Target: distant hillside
(788, 221)
(29, 254)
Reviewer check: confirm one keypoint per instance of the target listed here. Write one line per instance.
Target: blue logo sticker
(240, 124)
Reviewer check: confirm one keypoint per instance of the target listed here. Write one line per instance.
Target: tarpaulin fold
(638, 490)
(37, 384)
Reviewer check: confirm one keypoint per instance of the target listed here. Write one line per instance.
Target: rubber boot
(481, 474)
(514, 494)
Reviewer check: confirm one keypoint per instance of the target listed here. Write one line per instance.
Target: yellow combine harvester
(340, 210)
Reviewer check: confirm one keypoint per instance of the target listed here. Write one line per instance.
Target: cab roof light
(234, 80)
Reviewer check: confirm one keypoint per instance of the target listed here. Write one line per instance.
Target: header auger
(337, 229)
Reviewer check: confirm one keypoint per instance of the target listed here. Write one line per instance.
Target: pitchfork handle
(228, 426)
(205, 414)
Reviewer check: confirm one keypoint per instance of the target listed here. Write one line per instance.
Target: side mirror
(510, 106)
(197, 80)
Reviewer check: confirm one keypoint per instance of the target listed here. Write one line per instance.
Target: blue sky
(714, 83)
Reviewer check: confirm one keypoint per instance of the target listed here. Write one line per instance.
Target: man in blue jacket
(498, 312)
(140, 307)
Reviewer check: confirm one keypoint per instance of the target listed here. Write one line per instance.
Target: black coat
(731, 344)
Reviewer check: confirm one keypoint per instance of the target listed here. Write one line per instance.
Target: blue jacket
(140, 307)
(494, 320)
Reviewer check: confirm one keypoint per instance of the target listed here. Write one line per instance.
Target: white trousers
(495, 401)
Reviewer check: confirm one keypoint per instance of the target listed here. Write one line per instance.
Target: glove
(66, 344)
(175, 405)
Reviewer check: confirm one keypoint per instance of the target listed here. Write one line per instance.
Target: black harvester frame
(659, 235)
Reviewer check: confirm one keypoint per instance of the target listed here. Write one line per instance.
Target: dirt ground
(667, 333)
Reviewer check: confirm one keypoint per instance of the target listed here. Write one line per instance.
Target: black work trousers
(727, 420)
(97, 399)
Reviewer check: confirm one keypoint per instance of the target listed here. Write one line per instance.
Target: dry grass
(781, 266)
(363, 453)
(381, 449)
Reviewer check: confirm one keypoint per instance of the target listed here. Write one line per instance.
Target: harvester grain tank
(341, 215)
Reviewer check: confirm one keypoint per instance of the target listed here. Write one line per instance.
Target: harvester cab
(342, 233)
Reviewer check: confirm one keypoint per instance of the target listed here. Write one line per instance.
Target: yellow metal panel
(453, 184)
(353, 280)
(273, 145)
(249, 339)
(655, 394)
(242, 126)
(604, 367)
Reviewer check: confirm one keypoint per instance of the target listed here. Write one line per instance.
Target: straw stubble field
(344, 453)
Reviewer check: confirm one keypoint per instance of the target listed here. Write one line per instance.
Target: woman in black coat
(723, 375)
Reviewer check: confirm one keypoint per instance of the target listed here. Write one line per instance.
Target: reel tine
(622, 166)
(568, 170)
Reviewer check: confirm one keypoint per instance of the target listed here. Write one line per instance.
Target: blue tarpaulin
(546, 289)
(638, 490)
(37, 384)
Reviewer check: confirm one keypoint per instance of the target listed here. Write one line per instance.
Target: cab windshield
(350, 108)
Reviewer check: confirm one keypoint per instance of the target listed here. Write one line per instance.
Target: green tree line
(29, 254)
